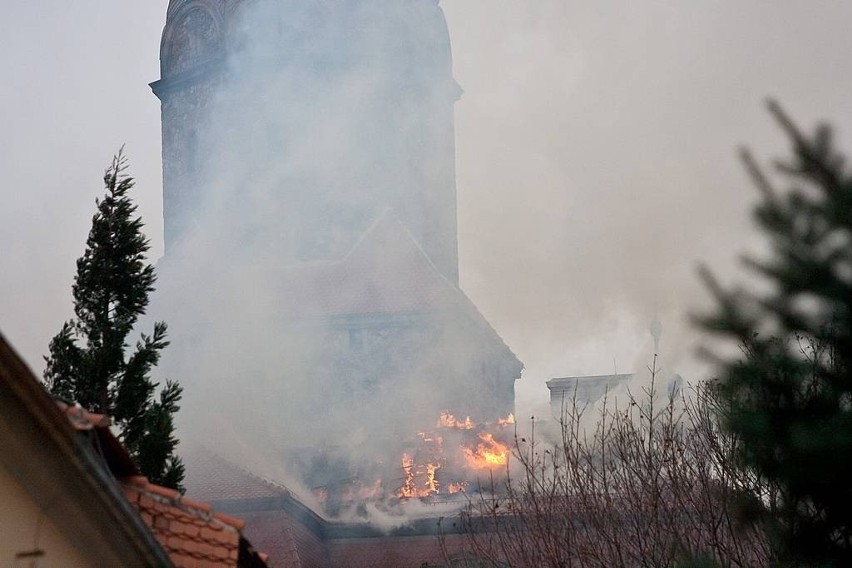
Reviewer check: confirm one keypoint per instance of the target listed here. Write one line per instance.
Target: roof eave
(62, 473)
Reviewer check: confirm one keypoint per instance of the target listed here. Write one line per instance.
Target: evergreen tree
(789, 399)
(110, 293)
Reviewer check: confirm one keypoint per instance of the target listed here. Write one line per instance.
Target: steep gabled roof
(386, 273)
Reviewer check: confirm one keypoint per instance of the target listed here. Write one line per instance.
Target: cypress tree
(88, 361)
(788, 400)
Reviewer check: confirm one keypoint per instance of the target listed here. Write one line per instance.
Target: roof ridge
(389, 213)
(466, 302)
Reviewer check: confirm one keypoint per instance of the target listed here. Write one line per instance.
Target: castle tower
(295, 124)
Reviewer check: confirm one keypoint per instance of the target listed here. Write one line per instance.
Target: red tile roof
(45, 452)
(192, 534)
(113, 453)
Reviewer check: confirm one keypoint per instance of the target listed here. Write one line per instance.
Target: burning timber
(436, 465)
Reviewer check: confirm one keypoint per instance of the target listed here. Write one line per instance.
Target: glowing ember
(447, 420)
(488, 453)
(456, 487)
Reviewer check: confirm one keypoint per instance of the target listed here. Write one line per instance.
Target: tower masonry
(295, 124)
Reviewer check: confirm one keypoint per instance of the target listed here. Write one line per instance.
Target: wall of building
(24, 527)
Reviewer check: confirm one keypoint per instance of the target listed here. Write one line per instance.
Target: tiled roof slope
(192, 534)
(386, 272)
(112, 452)
(213, 478)
(290, 543)
(276, 521)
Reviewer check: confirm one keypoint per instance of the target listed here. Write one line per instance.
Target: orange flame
(506, 421)
(447, 420)
(408, 489)
(488, 453)
(473, 441)
(412, 472)
(431, 482)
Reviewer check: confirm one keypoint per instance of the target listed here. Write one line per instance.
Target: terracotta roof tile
(163, 491)
(190, 533)
(196, 504)
(140, 480)
(239, 524)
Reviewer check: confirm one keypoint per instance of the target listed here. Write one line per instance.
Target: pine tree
(110, 293)
(789, 399)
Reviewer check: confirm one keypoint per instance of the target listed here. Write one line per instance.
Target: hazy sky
(595, 141)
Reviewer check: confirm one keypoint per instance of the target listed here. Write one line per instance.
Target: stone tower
(293, 124)
(311, 267)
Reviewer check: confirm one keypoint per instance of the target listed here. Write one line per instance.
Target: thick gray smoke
(595, 167)
(310, 268)
(620, 174)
